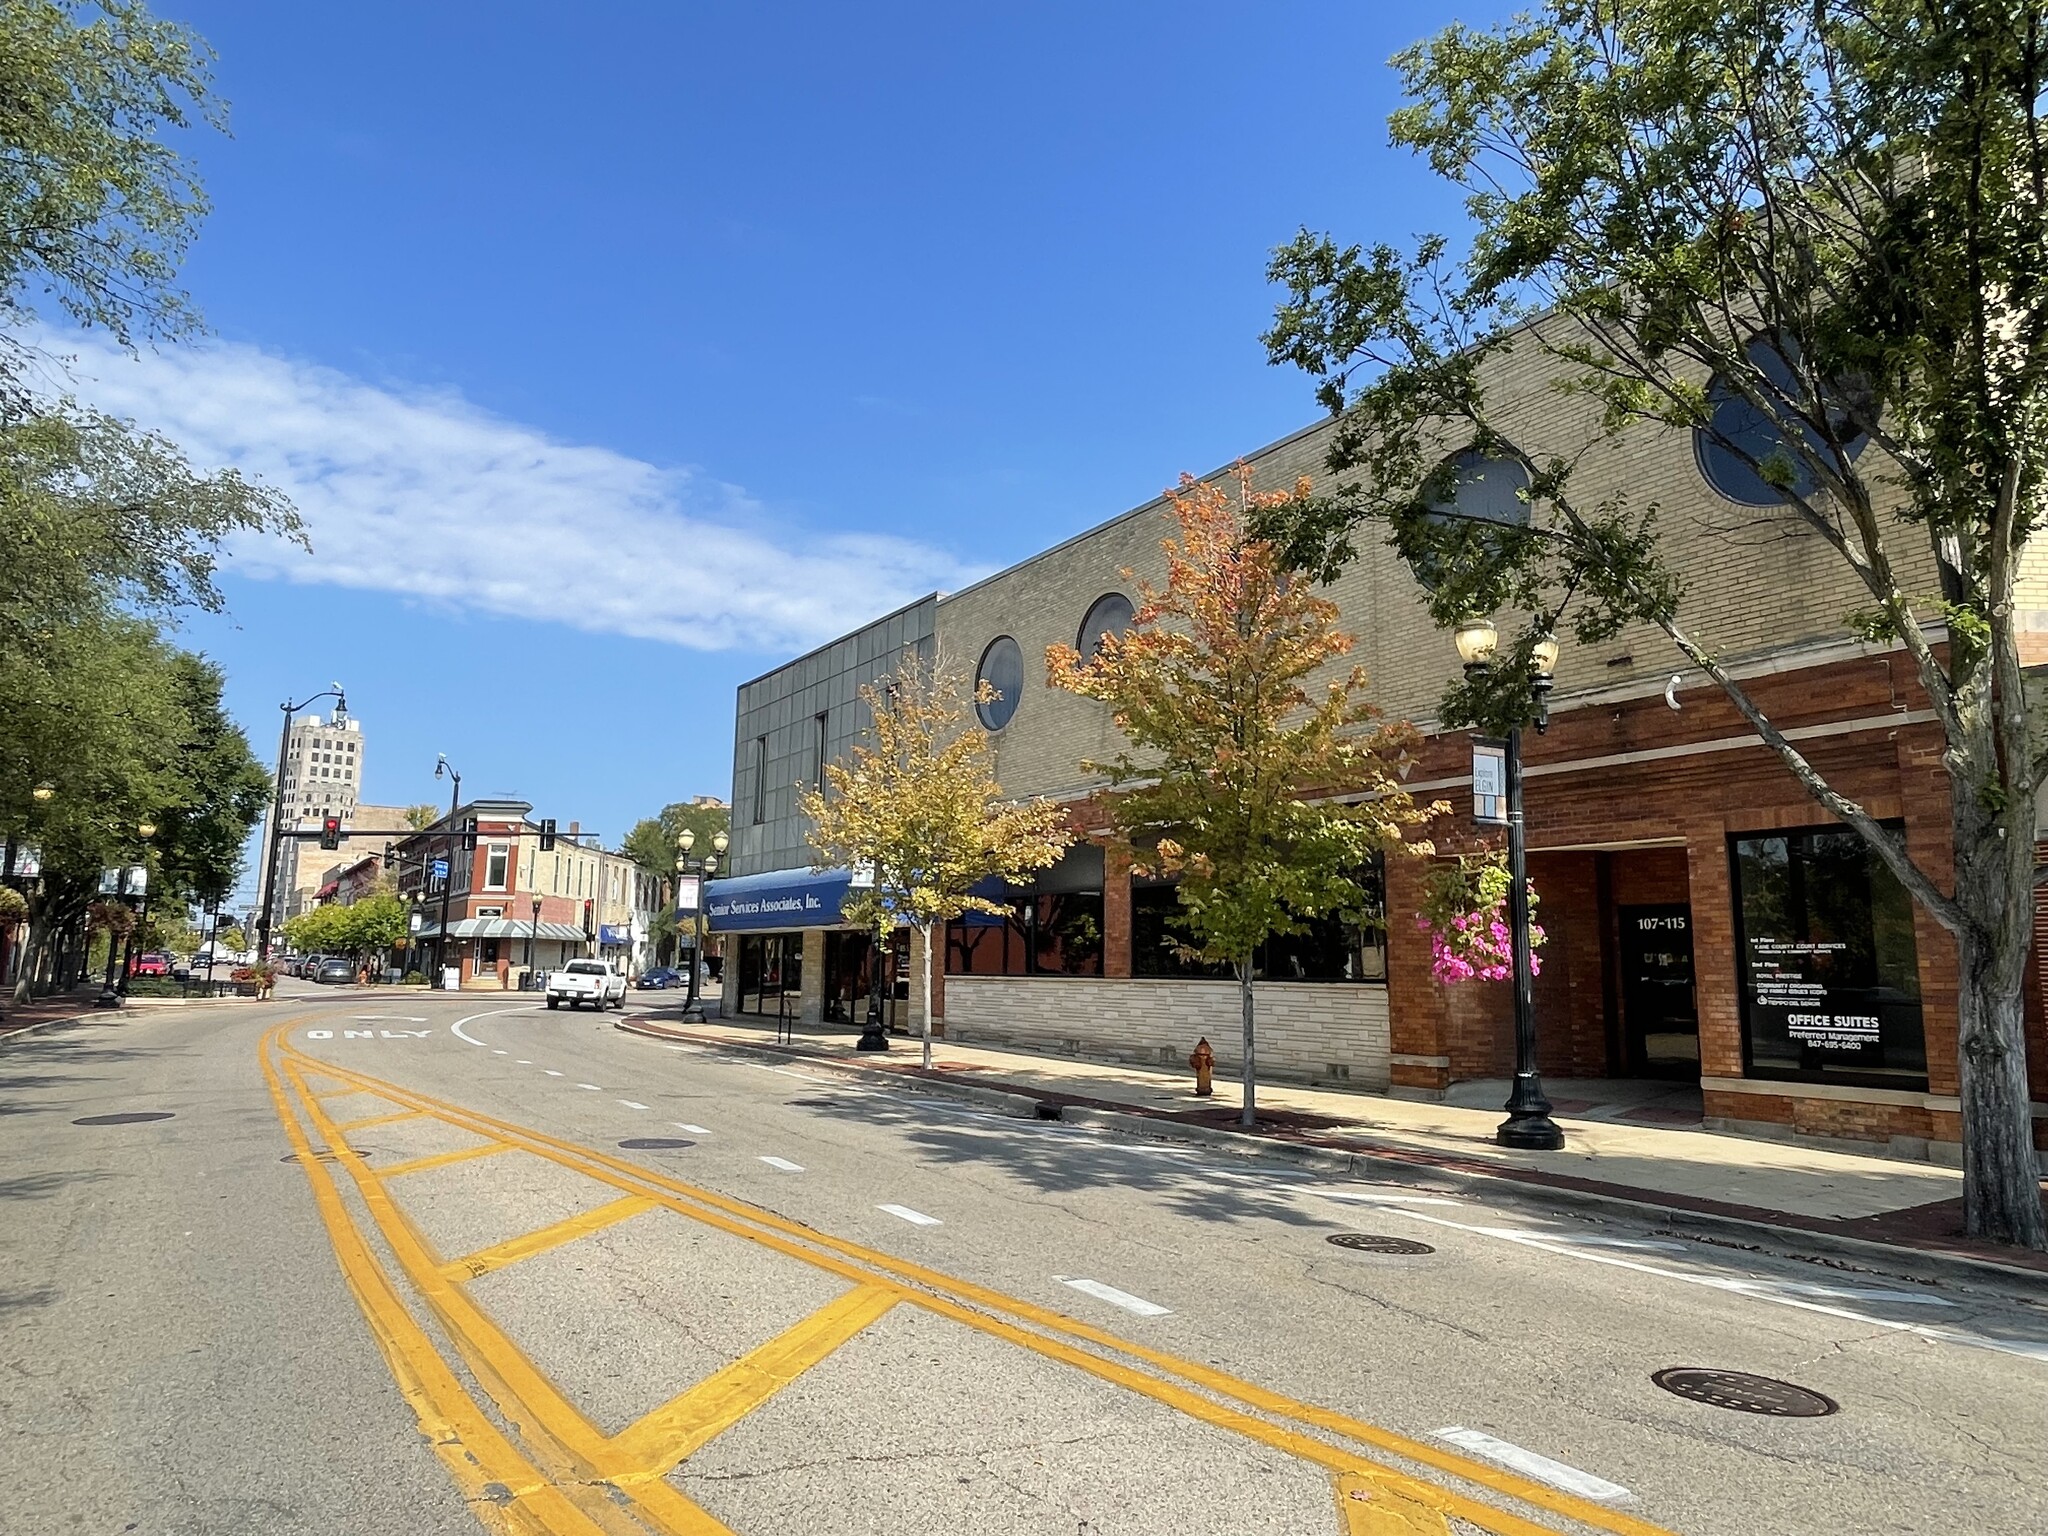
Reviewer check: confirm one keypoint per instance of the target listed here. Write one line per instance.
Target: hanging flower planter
(1465, 914)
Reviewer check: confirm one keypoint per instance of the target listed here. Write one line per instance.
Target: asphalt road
(466, 1301)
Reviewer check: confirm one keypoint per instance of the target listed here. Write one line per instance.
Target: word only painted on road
(369, 1034)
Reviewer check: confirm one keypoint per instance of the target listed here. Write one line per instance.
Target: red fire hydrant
(1204, 1063)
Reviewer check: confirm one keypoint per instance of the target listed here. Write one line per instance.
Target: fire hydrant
(1204, 1062)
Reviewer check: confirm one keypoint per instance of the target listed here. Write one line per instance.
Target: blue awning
(783, 898)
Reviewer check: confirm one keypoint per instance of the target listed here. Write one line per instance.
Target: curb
(1791, 1241)
(44, 1026)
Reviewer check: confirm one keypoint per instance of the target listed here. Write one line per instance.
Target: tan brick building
(1692, 892)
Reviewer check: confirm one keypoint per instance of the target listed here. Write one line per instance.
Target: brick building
(1693, 894)
(513, 906)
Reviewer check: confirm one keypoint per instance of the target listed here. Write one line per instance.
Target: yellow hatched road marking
(549, 1422)
(512, 1250)
(804, 1244)
(443, 1159)
(391, 1119)
(664, 1437)
(1367, 1508)
(508, 1494)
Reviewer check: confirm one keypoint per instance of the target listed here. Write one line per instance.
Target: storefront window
(1329, 949)
(1831, 977)
(1051, 928)
(771, 974)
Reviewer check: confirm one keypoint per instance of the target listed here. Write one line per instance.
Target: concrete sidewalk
(1849, 1199)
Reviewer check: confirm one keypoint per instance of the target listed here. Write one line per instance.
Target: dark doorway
(850, 978)
(1660, 1016)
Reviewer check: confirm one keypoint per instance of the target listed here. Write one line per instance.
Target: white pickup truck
(586, 981)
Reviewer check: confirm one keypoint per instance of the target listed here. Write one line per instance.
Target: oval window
(1739, 425)
(1111, 614)
(1468, 491)
(1002, 668)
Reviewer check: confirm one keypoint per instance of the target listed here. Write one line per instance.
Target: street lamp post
(443, 766)
(1528, 1124)
(533, 943)
(121, 954)
(284, 742)
(693, 1005)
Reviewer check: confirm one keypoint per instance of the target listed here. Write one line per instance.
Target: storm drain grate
(126, 1117)
(1744, 1393)
(1376, 1242)
(655, 1143)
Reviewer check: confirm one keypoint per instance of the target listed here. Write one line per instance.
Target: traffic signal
(589, 918)
(547, 835)
(469, 833)
(330, 832)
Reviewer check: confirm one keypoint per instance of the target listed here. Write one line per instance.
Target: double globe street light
(693, 1005)
(1528, 1124)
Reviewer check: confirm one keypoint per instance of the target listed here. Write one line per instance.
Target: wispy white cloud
(421, 493)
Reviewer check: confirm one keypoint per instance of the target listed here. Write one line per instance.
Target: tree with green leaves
(1827, 219)
(422, 816)
(917, 803)
(1232, 754)
(652, 842)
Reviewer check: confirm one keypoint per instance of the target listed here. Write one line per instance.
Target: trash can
(526, 981)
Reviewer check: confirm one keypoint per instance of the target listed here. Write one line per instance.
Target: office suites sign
(1789, 979)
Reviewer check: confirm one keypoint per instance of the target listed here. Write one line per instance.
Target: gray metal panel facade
(775, 732)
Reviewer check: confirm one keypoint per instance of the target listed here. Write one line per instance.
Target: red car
(151, 965)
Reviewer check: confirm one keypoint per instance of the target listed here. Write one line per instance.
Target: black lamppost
(693, 1005)
(443, 766)
(284, 741)
(1528, 1124)
(532, 943)
(120, 953)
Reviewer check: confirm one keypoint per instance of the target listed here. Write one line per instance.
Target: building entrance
(1659, 1014)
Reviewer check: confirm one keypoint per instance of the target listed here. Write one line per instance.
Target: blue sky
(615, 354)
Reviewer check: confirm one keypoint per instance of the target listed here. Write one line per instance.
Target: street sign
(863, 874)
(1489, 782)
(689, 891)
(440, 869)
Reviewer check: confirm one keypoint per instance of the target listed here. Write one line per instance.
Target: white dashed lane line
(591, 1086)
(784, 1164)
(1532, 1464)
(1116, 1298)
(694, 1130)
(915, 1218)
(496, 1052)
(524, 1062)
(551, 1072)
(631, 1105)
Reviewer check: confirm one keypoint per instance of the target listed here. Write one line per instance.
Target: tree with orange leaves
(1232, 753)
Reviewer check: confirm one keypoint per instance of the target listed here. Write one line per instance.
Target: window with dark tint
(1111, 614)
(1830, 968)
(1052, 927)
(760, 779)
(1002, 668)
(1333, 948)
(1738, 425)
(1470, 491)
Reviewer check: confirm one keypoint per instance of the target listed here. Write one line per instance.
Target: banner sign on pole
(1489, 782)
(689, 892)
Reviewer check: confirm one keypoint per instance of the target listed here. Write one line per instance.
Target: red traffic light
(330, 832)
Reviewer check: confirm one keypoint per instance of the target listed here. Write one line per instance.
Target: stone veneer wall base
(1309, 1032)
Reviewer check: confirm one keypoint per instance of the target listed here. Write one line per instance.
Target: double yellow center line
(566, 1476)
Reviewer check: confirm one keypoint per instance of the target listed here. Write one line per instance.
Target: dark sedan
(659, 979)
(335, 970)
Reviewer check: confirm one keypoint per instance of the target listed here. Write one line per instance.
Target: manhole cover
(127, 1117)
(1746, 1393)
(324, 1156)
(1374, 1242)
(655, 1143)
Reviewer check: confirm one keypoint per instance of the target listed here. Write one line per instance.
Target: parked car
(658, 978)
(306, 965)
(586, 981)
(151, 964)
(336, 969)
(181, 968)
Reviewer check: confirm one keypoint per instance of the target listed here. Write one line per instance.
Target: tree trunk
(2001, 1173)
(1250, 1114)
(926, 932)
